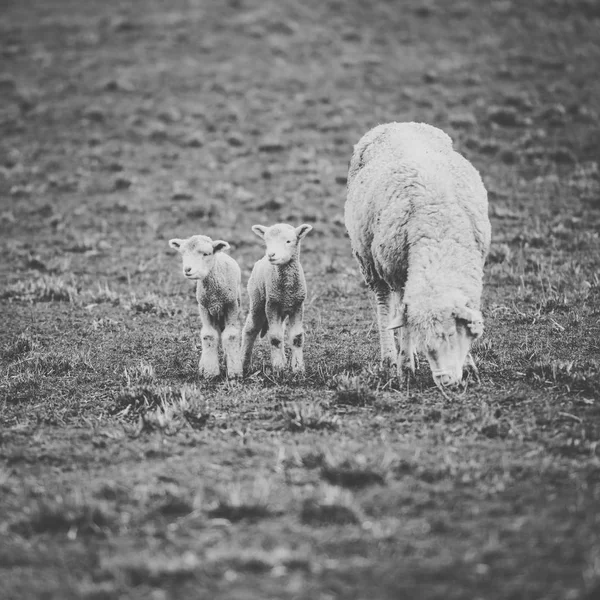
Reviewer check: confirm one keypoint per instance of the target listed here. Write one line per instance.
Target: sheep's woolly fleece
(417, 218)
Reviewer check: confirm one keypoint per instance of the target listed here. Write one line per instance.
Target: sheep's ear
(399, 319)
(259, 230)
(473, 318)
(176, 243)
(303, 230)
(219, 245)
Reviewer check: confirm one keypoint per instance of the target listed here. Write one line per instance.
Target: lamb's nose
(187, 270)
(271, 255)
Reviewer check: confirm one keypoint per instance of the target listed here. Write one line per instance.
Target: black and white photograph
(299, 300)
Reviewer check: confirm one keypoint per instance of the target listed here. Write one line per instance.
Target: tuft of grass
(310, 415)
(48, 364)
(239, 502)
(570, 376)
(488, 421)
(19, 346)
(352, 390)
(152, 304)
(47, 288)
(150, 568)
(72, 515)
(103, 294)
(161, 408)
(19, 388)
(331, 505)
(139, 374)
(352, 471)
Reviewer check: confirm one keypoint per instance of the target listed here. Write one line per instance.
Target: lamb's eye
(289, 241)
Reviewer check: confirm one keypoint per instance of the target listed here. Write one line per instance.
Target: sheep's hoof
(388, 363)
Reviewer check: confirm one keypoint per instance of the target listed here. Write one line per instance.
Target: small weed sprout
(142, 373)
(312, 415)
(331, 505)
(237, 501)
(352, 390)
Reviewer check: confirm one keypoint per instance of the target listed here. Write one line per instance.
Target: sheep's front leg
(296, 335)
(276, 339)
(209, 360)
(254, 323)
(472, 367)
(406, 355)
(386, 336)
(231, 344)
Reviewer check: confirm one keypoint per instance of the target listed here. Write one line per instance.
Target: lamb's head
(282, 241)
(445, 335)
(198, 254)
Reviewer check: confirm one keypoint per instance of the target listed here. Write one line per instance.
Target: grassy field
(122, 474)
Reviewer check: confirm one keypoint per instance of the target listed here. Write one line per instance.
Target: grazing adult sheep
(218, 291)
(277, 289)
(416, 213)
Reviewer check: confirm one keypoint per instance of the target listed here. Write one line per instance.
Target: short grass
(125, 475)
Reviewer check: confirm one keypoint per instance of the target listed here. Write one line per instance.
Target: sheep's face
(444, 335)
(282, 241)
(198, 254)
(449, 345)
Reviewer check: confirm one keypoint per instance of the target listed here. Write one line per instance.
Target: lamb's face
(198, 254)
(282, 241)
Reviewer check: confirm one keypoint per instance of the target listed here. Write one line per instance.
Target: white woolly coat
(416, 214)
(220, 291)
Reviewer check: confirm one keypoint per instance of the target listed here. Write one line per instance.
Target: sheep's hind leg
(386, 336)
(209, 360)
(296, 335)
(254, 323)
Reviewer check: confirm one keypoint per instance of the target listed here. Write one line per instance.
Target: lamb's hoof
(208, 372)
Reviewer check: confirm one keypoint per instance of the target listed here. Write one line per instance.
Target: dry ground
(125, 123)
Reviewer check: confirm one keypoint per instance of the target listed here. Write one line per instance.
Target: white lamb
(277, 289)
(416, 213)
(218, 291)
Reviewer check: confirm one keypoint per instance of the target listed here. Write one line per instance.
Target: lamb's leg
(276, 339)
(254, 323)
(231, 344)
(296, 335)
(386, 336)
(209, 360)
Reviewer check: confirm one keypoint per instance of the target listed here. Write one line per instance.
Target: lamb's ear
(219, 245)
(176, 243)
(303, 230)
(473, 318)
(259, 230)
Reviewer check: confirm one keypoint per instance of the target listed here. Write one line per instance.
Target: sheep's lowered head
(198, 254)
(282, 241)
(444, 334)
